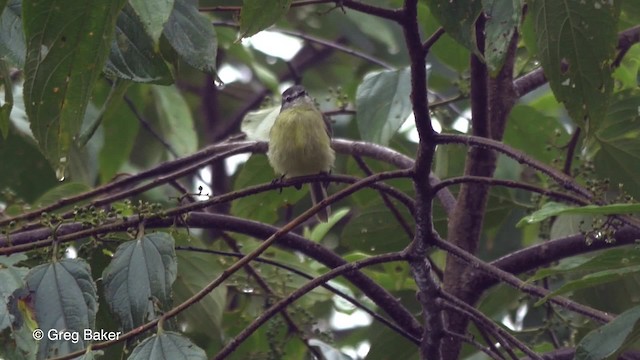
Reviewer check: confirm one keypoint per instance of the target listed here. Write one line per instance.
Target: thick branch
(491, 102)
(428, 288)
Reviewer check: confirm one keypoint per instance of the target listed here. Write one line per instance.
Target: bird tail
(319, 193)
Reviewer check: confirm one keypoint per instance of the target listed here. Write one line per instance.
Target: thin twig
(510, 184)
(350, 299)
(282, 304)
(519, 284)
(431, 40)
(571, 149)
(231, 242)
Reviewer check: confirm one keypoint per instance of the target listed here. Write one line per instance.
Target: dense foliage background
(483, 194)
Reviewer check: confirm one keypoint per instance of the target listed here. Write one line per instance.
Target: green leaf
(195, 271)
(258, 171)
(134, 56)
(5, 109)
(67, 44)
(12, 43)
(374, 230)
(120, 128)
(378, 29)
(3, 3)
(622, 118)
(23, 168)
(458, 19)
(583, 36)
(450, 52)
(139, 279)
(61, 191)
(257, 124)
(257, 15)
(383, 104)
(503, 18)
(322, 229)
(153, 15)
(532, 131)
(11, 279)
(167, 345)
(592, 280)
(608, 260)
(64, 297)
(611, 338)
(175, 119)
(551, 209)
(627, 73)
(618, 142)
(192, 36)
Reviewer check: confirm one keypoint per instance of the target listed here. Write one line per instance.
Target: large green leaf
(153, 15)
(195, 271)
(503, 18)
(618, 160)
(594, 279)
(551, 209)
(383, 104)
(61, 191)
(622, 118)
(134, 56)
(175, 119)
(374, 230)
(64, 298)
(192, 36)
(619, 146)
(458, 19)
(167, 345)
(68, 42)
(12, 43)
(450, 52)
(257, 15)
(138, 280)
(120, 127)
(580, 36)
(611, 338)
(23, 169)
(532, 131)
(258, 171)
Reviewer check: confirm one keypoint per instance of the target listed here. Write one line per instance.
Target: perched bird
(300, 142)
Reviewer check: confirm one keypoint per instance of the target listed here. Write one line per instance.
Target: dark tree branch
(571, 149)
(428, 288)
(545, 253)
(29, 239)
(432, 39)
(492, 99)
